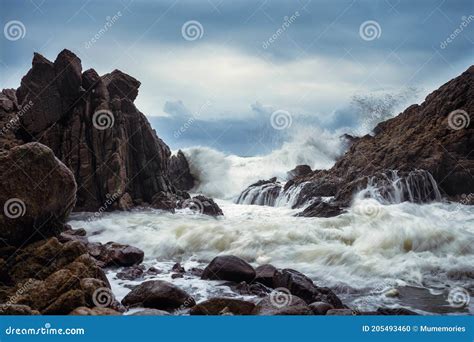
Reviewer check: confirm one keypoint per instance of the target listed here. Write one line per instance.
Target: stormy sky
(215, 72)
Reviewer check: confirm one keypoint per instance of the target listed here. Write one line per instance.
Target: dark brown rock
(218, 306)
(264, 274)
(229, 267)
(116, 254)
(292, 306)
(37, 193)
(299, 171)
(201, 205)
(180, 173)
(321, 209)
(17, 310)
(158, 294)
(320, 308)
(96, 311)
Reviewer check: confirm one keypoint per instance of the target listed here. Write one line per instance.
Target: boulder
(218, 306)
(320, 308)
(96, 311)
(158, 294)
(180, 173)
(293, 305)
(16, 310)
(264, 274)
(303, 287)
(395, 312)
(37, 193)
(201, 205)
(321, 209)
(340, 312)
(116, 254)
(229, 267)
(298, 171)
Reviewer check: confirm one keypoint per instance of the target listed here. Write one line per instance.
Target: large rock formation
(421, 155)
(92, 125)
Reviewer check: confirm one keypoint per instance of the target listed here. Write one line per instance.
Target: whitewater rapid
(428, 246)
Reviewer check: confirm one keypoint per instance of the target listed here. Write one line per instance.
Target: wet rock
(180, 173)
(196, 271)
(253, 289)
(321, 209)
(116, 254)
(264, 274)
(37, 193)
(340, 312)
(151, 312)
(177, 268)
(268, 306)
(164, 201)
(17, 310)
(229, 267)
(395, 312)
(201, 205)
(320, 308)
(158, 294)
(131, 273)
(298, 171)
(217, 306)
(96, 311)
(263, 192)
(303, 287)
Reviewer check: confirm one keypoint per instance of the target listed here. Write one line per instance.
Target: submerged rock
(180, 173)
(292, 305)
(201, 205)
(229, 267)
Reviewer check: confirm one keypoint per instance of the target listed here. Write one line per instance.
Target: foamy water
(370, 248)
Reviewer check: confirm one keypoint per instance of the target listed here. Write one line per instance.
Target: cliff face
(436, 136)
(92, 126)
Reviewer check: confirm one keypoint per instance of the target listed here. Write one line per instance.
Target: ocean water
(376, 254)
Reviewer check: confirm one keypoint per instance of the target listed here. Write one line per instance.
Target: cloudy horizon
(213, 72)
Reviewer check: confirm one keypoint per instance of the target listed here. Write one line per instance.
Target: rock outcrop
(37, 193)
(180, 173)
(92, 125)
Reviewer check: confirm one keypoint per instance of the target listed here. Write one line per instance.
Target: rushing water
(361, 254)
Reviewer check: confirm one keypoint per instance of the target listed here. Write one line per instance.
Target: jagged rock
(253, 289)
(264, 274)
(218, 306)
(229, 267)
(263, 192)
(92, 125)
(293, 305)
(299, 171)
(17, 310)
(116, 254)
(180, 173)
(37, 193)
(202, 205)
(303, 287)
(321, 209)
(158, 294)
